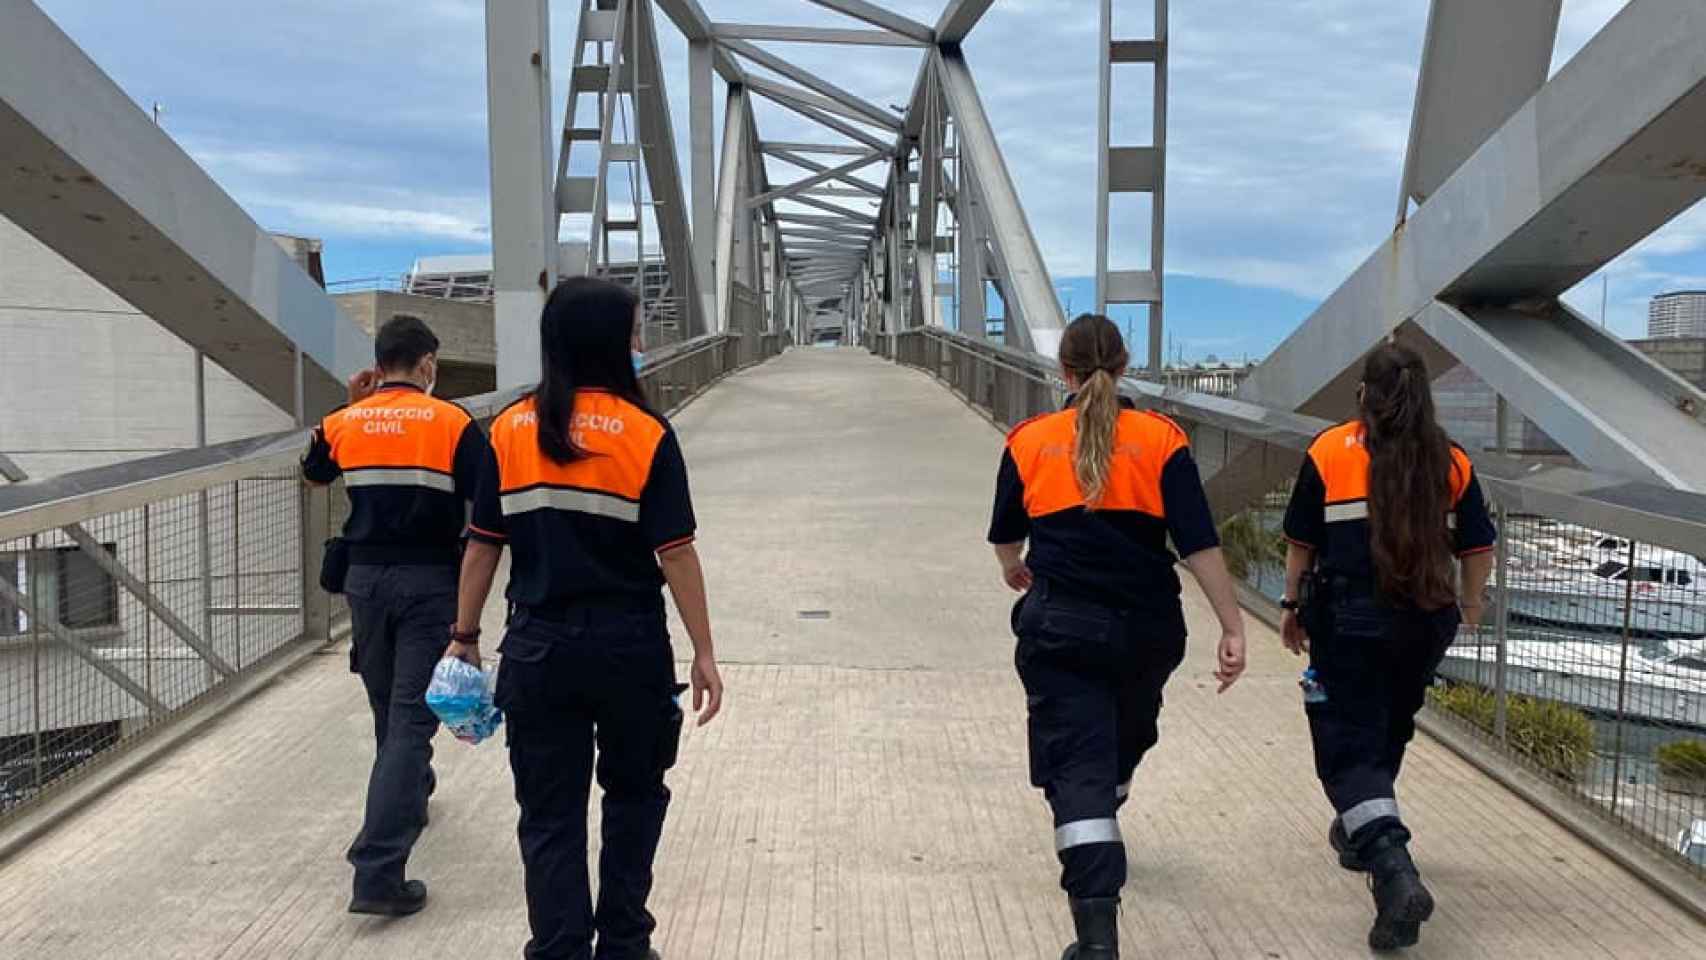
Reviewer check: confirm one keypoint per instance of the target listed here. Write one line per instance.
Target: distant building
(1679, 314)
(1684, 356)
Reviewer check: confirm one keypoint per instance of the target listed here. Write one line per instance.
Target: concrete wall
(1684, 356)
(86, 380)
(468, 344)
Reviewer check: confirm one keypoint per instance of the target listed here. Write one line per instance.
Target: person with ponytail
(1097, 490)
(1382, 507)
(588, 488)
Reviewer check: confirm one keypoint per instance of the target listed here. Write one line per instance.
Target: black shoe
(1341, 844)
(1097, 923)
(410, 899)
(1401, 901)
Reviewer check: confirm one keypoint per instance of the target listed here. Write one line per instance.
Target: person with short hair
(1383, 506)
(409, 462)
(1097, 490)
(587, 486)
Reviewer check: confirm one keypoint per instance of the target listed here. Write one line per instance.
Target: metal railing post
(1623, 682)
(315, 504)
(1501, 628)
(35, 635)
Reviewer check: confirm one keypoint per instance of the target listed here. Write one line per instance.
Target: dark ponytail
(585, 335)
(1409, 480)
(1093, 351)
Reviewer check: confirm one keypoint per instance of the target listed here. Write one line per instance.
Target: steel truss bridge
(1518, 183)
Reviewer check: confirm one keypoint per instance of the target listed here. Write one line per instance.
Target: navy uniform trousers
(1093, 676)
(400, 619)
(571, 681)
(1376, 664)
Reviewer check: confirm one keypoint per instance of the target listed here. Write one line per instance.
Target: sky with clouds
(363, 122)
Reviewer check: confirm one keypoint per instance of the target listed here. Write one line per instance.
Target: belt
(393, 555)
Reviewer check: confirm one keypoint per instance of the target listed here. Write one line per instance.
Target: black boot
(1401, 901)
(1097, 923)
(407, 899)
(1341, 844)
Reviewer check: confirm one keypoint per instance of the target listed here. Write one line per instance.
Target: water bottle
(1314, 691)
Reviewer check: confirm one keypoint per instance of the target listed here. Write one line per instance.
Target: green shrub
(1557, 738)
(1247, 545)
(1685, 759)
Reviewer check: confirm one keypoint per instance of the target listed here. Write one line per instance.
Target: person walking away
(1381, 505)
(589, 490)
(409, 462)
(1097, 489)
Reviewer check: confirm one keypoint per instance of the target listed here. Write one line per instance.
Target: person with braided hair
(1381, 506)
(1097, 490)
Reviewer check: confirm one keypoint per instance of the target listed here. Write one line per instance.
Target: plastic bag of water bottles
(461, 696)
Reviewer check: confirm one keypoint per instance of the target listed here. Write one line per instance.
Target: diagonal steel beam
(663, 171)
(878, 17)
(959, 18)
(783, 34)
(812, 166)
(1481, 61)
(832, 208)
(822, 221)
(779, 147)
(860, 107)
(1024, 275)
(101, 665)
(790, 97)
(1605, 153)
(87, 174)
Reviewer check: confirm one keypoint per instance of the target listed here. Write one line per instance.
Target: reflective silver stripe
(578, 501)
(1451, 521)
(1122, 791)
(398, 477)
(1340, 512)
(1080, 833)
(1367, 812)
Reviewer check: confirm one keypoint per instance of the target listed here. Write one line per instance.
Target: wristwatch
(1287, 603)
(469, 638)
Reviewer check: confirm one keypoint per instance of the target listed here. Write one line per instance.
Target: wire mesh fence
(122, 622)
(1589, 668)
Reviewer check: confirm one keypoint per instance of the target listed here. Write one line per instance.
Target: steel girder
(879, 17)
(857, 107)
(842, 172)
(1597, 159)
(90, 176)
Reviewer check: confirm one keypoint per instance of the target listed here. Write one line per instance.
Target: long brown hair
(585, 333)
(1094, 353)
(1409, 479)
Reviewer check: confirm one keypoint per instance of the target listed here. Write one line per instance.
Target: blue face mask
(639, 359)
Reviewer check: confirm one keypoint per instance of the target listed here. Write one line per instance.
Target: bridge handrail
(156, 583)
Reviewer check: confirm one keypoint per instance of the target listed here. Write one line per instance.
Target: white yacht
(1666, 679)
(1577, 579)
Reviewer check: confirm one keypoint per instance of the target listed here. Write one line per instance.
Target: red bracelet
(470, 638)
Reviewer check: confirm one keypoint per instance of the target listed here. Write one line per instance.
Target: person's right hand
(362, 385)
(1018, 577)
(1229, 659)
(468, 653)
(707, 688)
(1292, 635)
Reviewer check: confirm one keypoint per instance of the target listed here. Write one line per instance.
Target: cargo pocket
(669, 736)
(522, 651)
(1039, 736)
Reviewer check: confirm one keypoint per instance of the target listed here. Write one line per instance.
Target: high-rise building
(1679, 314)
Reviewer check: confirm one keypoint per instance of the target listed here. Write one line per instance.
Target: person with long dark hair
(1098, 489)
(588, 488)
(1383, 506)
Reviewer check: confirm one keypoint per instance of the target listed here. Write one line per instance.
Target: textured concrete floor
(863, 796)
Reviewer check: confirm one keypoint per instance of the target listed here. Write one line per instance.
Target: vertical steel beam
(1129, 169)
(730, 198)
(701, 120)
(524, 209)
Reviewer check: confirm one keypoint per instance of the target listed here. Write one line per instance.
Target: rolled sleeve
(1306, 514)
(1010, 523)
(1189, 520)
(487, 523)
(666, 505)
(318, 466)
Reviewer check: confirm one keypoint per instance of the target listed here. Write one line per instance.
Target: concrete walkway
(863, 796)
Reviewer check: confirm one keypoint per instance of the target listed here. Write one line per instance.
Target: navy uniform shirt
(410, 462)
(1328, 512)
(585, 533)
(1117, 552)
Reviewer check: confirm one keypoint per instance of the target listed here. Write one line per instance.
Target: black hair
(402, 342)
(585, 336)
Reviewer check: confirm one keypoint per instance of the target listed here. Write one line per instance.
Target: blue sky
(363, 122)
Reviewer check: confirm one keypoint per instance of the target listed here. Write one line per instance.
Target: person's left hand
(1292, 634)
(468, 653)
